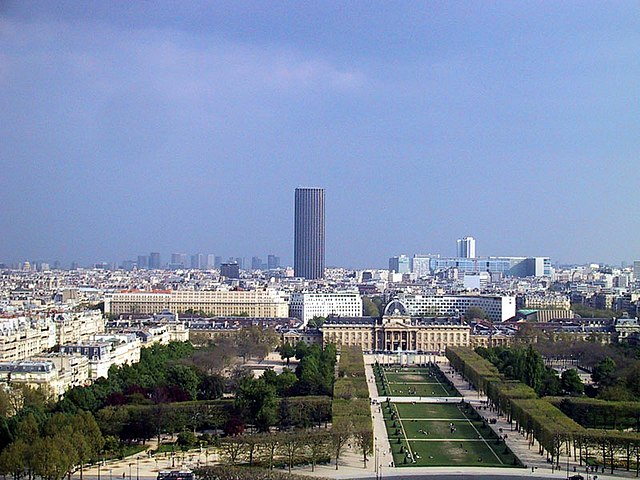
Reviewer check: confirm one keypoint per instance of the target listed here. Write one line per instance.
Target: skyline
(186, 128)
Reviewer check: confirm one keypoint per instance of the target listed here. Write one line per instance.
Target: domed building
(396, 331)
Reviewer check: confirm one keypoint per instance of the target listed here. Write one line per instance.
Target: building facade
(498, 308)
(309, 233)
(397, 331)
(399, 264)
(305, 306)
(253, 303)
(466, 247)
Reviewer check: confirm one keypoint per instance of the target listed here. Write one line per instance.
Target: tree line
(526, 365)
(351, 410)
(539, 420)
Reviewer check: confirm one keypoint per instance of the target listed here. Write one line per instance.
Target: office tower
(230, 270)
(217, 262)
(240, 262)
(421, 265)
(197, 261)
(210, 261)
(399, 264)
(128, 265)
(179, 260)
(256, 263)
(143, 262)
(309, 233)
(273, 262)
(636, 269)
(154, 260)
(466, 247)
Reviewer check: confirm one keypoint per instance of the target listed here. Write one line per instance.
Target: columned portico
(397, 331)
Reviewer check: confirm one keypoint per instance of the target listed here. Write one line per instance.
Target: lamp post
(111, 474)
(137, 468)
(130, 465)
(375, 456)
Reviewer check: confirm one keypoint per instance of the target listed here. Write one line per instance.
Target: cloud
(173, 64)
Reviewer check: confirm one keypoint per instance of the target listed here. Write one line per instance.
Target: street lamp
(130, 465)
(137, 468)
(111, 474)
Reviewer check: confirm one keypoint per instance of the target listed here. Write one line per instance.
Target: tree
(571, 382)
(550, 384)
(285, 382)
(187, 439)
(301, 350)
(185, 378)
(316, 322)
(604, 373)
(292, 443)
(475, 313)
(364, 439)
(369, 308)
(233, 448)
(287, 351)
(257, 401)
(211, 387)
(55, 457)
(340, 434)
(533, 368)
(13, 459)
(317, 442)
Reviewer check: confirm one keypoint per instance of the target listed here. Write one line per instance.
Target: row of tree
(598, 413)
(351, 410)
(51, 447)
(615, 366)
(539, 420)
(526, 365)
(271, 449)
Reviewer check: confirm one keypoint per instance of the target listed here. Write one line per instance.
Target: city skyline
(184, 127)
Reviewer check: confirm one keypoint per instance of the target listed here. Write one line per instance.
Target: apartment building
(306, 305)
(254, 303)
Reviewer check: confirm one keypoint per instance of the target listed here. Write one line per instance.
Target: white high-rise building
(466, 247)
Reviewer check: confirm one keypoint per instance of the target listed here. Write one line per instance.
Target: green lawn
(422, 432)
(413, 382)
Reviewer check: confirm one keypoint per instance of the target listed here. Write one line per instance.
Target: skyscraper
(143, 262)
(399, 264)
(466, 247)
(154, 260)
(309, 233)
(273, 262)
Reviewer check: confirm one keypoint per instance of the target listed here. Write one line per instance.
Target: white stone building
(305, 306)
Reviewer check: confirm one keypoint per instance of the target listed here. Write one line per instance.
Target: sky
(131, 127)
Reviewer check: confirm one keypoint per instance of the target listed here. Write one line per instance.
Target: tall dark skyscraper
(308, 255)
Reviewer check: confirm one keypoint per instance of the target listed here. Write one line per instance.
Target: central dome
(395, 308)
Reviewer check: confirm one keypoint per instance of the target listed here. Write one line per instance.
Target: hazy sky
(128, 127)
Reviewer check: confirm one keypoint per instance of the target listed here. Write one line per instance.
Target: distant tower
(154, 260)
(309, 233)
(399, 264)
(466, 247)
